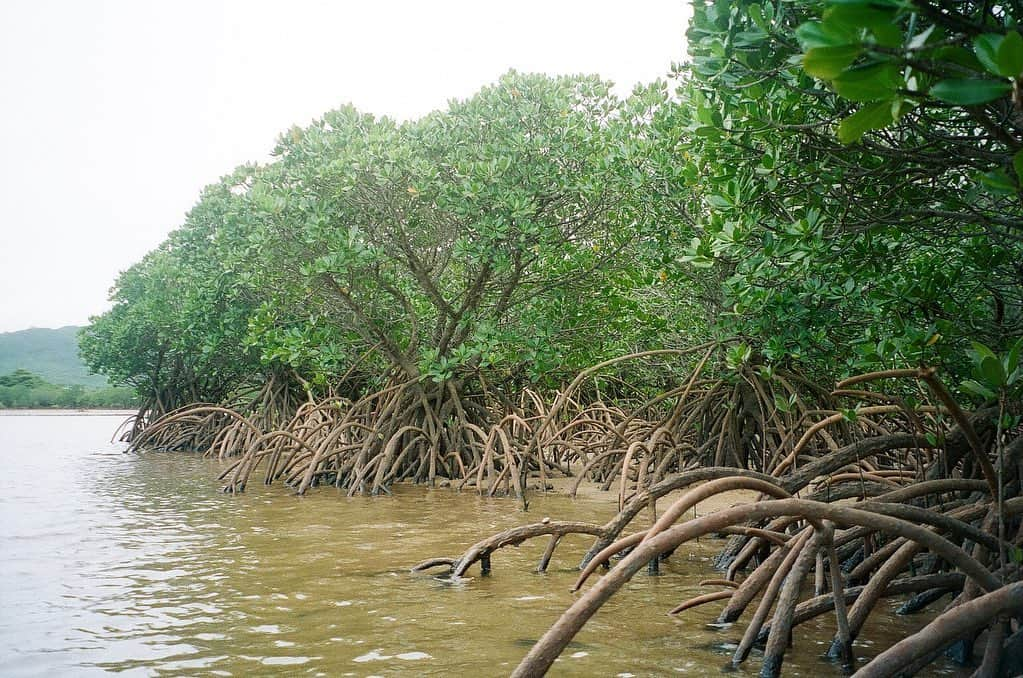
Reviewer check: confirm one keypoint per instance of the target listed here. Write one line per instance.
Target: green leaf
(866, 15)
(887, 35)
(981, 351)
(857, 15)
(869, 117)
(959, 56)
(974, 387)
(698, 261)
(1017, 164)
(815, 34)
(986, 48)
(998, 182)
(827, 62)
(991, 369)
(756, 12)
(868, 83)
(1010, 55)
(738, 355)
(1011, 361)
(969, 91)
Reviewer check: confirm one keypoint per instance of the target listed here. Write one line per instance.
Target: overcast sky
(116, 113)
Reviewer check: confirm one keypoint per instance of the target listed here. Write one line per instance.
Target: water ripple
(138, 564)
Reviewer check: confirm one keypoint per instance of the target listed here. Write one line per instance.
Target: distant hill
(52, 354)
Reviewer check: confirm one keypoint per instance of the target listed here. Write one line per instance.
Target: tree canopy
(836, 184)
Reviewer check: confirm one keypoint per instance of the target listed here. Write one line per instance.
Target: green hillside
(51, 354)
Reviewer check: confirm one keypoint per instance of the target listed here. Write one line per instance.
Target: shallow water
(138, 564)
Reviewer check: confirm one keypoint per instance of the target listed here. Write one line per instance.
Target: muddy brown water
(137, 564)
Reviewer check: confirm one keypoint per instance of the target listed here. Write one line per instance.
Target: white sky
(114, 114)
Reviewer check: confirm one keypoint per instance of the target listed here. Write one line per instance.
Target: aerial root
(700, 600)
(987, 611)
(417, 431)
(932, 517)
(482, 550)
(784, 578)
(929, 538)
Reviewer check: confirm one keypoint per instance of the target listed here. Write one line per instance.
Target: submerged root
(932, 518)
(915, 530)
(481, 551)
(785, 576)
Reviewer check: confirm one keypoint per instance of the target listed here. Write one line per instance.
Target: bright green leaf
(827, 62)
(869, 117)
(815, 34)
(869, 83)
(857, 15)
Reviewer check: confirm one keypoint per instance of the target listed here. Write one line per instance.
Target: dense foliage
(858, 214)
(23, 389)
(837, 184)
(500, 241)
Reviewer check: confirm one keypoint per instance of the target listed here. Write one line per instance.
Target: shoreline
(58, 412)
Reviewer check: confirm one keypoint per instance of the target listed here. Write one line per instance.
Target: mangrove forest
(793, 267)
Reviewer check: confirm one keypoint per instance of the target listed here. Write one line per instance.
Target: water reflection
(137, 564)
